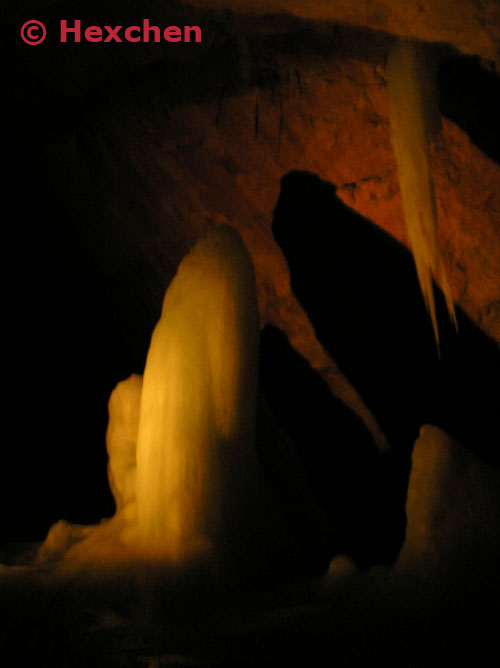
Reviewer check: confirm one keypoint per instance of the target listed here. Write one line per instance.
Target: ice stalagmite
(414, 118)
(182, 463)
(195, 441)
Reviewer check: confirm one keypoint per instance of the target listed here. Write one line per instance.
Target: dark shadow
(361, 491)
(359, 288)
(470, 97)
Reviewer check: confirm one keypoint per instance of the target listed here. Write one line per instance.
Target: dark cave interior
(80, 320)
(81, 306)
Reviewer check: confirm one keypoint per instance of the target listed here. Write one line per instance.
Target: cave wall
(134, 152)
(470, 25)
(164, 160)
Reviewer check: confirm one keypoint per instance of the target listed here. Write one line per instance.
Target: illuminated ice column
(415, 119)
(196, 426)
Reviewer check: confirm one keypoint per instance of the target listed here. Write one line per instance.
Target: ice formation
(195, 439)
(453, 513)
(414, 118)
(182, 463)
(121, 439)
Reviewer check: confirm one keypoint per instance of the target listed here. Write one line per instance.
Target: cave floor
(359, 619)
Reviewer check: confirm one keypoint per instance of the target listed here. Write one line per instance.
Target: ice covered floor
(359, 623)
(439, 603)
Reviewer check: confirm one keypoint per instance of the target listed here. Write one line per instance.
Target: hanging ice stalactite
(414, 118)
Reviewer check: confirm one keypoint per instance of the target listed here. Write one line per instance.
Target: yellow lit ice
(196, 424)
(414, 117)
(182, 463)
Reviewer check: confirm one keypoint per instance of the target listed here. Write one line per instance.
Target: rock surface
(472, 26)
(160, 171)
(136, 152)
